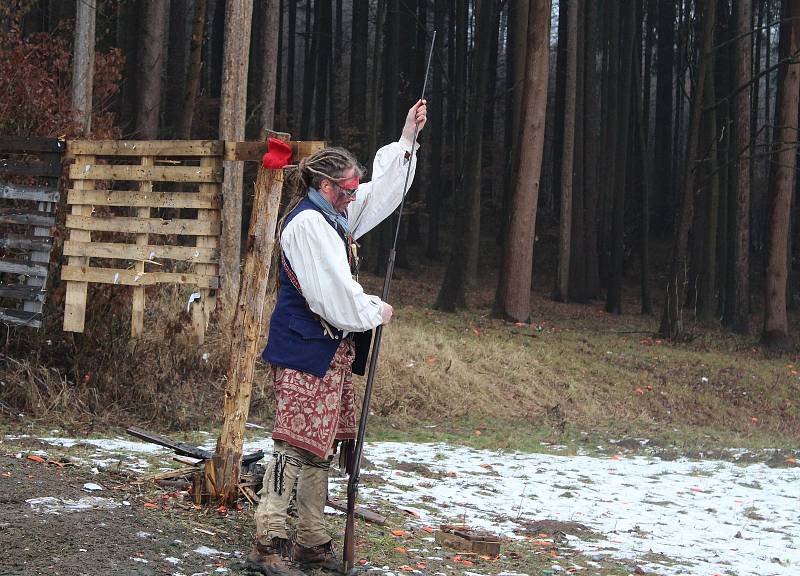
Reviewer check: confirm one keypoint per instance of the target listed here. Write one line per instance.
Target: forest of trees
(644, 145)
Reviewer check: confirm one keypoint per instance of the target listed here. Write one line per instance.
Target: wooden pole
(246, 330)
(222, 479)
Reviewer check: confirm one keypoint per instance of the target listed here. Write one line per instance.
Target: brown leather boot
(322, 556)
(273, 559)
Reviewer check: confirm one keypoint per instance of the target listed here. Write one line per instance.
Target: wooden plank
(254, 151)
(144, 173)
(15, 267)
(137, 304)
(151, 252)
(360, 511)
(143, 225)
(21, 292)
(133, 278)
(75, 297)
(26, 218)
(20, 318)
(201, 311)
(145, 147)
(20, 144)
(30, 168)
(137, 199)
(39, 257)
(33, 193)
(25, 243)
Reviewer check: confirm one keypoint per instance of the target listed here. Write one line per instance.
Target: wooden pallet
(117, 191)
(30, 169)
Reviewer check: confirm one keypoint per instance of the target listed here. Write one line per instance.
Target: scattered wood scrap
(463, 539)
(192, 475)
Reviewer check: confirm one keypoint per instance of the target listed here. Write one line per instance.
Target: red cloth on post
(279, 154)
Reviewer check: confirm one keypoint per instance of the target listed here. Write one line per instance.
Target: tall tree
(515, 297)
(616, 271)
(672, 325)
(269, 62)
(568, 148)
(184, 130)
(178, 46)
(592, 150)
(662, 166)
(739, 310)
(436, 106)
(357, 101)
(83, 68)
(323, 36)
(784, 159)
(238, 17)
(463, 247)
(151, 64)
(577, 268)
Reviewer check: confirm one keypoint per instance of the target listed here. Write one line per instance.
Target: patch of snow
(52, 505)
(141, 560)
(206, 551)
(108, 444)
(172, 560)
(691, 512)
(92, 487)
(143, 535)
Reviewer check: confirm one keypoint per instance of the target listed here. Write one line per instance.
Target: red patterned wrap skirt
(311, 411)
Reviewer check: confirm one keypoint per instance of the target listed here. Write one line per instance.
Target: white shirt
(316, 252)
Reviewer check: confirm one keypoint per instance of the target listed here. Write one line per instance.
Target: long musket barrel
(352, 484)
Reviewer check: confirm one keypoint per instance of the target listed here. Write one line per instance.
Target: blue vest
(297, 339)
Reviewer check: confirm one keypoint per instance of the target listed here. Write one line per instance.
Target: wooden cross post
(221, 475)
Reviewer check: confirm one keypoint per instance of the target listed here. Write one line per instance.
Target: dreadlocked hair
(326, 164)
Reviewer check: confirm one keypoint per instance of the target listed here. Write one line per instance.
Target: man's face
(343, 191)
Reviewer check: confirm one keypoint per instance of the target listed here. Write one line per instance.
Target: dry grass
(574, 367)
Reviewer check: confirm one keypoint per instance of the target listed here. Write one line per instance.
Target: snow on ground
(672, 517)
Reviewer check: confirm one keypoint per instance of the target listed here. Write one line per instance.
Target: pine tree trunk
(269, 62)
(291, 48)
(357, 101)
(784, 158)
(83, 70)
(151, 64)
(436, 113)
(593, 132)
(672, 325)
(611, 105)
(707, 282)
(238, 17)
(311, 48)
(184, 130)
(568, 149)
(662, 165)
(452, 293)
(179, 40)
(740, 311)
(323, 35)
(647, 187)
(614, 296)
(514, 302)
(553, 192)
(577, 267)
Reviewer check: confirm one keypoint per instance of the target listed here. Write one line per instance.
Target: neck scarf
(330, 212)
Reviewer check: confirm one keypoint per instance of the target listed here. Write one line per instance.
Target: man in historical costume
(319, 335)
